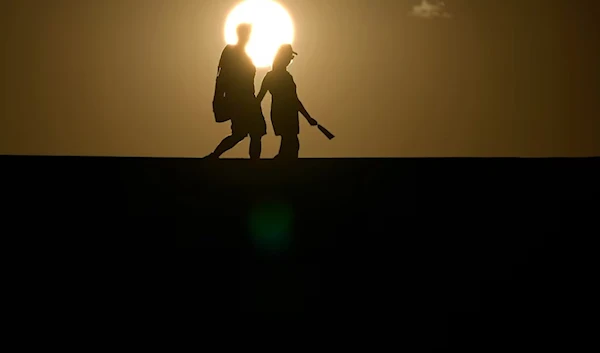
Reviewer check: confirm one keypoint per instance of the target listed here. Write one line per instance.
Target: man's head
(244, 31)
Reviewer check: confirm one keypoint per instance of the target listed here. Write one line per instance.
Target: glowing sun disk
(272, 26)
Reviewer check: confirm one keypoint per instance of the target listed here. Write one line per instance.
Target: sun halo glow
(272, 26)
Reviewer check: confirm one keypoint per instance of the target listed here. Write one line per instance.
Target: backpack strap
(225, 58)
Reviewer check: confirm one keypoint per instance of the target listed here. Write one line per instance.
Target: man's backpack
(220, 103)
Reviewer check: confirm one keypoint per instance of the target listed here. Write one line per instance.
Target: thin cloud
(430, 10)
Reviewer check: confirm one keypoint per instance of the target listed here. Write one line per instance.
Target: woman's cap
(287, 49)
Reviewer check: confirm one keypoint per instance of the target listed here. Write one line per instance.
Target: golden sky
(472, 78)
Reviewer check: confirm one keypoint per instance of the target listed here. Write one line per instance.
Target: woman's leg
(294, 146)
(281, 148)
(255, 146)
(290, 146)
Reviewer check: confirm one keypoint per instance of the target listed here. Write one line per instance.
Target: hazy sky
(471, 78)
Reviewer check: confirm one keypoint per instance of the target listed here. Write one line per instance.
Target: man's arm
(264, 88)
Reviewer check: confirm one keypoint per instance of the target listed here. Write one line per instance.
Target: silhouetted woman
(285, 103)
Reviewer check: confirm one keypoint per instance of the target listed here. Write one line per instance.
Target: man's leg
(227, 144)
(282, 146)
(255, 147)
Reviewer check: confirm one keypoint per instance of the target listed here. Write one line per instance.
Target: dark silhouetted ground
(456, 245)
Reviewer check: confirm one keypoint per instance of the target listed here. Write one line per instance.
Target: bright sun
(272, 26)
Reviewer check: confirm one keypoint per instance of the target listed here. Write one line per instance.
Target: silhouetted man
(235, 100)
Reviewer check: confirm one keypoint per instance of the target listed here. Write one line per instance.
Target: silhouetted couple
(235, 100)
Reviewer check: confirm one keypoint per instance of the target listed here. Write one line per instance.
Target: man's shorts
(247, 118)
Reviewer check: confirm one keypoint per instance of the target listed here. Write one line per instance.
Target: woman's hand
(312, 121)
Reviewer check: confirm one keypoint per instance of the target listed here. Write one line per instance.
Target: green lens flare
(271, 226)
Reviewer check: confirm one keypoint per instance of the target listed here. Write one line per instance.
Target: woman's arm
(304, 112)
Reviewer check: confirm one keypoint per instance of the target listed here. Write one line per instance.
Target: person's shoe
(211, 157)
